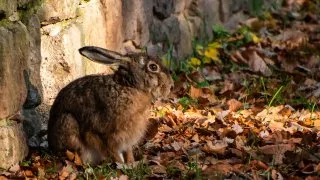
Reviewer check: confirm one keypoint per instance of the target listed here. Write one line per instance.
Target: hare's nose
(171, 88)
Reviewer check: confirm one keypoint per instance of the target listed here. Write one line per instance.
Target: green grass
(137, 173)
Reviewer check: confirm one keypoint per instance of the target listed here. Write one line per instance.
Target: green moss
(28, 9)
(4, 22)
(5, 122)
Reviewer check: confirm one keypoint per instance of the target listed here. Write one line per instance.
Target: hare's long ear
(101, 55)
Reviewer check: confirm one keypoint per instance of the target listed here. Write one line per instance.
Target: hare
(101, 116)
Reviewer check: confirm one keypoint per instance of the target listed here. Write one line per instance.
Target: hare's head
(136, 70)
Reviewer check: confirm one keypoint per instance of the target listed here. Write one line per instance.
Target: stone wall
(39, 42)
(19, 64)
(121, 26)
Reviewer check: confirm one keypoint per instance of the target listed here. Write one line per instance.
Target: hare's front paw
(122, 157)
(129, 156)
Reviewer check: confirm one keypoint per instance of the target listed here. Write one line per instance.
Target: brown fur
(105, 115)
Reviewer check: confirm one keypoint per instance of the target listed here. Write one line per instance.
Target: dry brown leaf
(286, 111)
(240, 142)
(211, 74)
(195, 138)
(176, 146)
(70, 155)
(312, 178)
(295, 2)
(237, 57)
(227, 86)
(177, 164)
(259, 164)
(237, 152)
(158, 169)
(3, 178)
(277, 151)
(276, 175)
(28, 173)
(219, 147)
(257, 63)
(67, 171)
(237, 128)
(318, 168)
(77, 159)
(290, 39)
(123, 177)
(276, 126)
(316, 123)
(309, 169)
(234, 105)
(223, 168)
(195, 92)
(294, 140)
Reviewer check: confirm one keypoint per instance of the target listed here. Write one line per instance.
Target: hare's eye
(153, 67)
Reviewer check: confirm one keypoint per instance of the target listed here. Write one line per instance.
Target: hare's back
(97, 94)
(86, 93)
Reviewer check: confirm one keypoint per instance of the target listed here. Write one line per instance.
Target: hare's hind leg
(93, 151)
(64, 134)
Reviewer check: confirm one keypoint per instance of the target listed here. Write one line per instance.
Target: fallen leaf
(176, 146)
(258, 64)
(3, 178)
(277, 151)
(259, 164)
(316, 123)
(195, 92)
(123, 177)
(237, 128)
(234, 105)
(219, 147)
(195, 138)
(158, 169)
(223, 168)
(28, 173)
(77, 160)
(276, 126)
(70, 155)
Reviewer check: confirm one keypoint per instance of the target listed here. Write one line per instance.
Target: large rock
(34, 58)
(13, 143)
(96, 35)
(61, 62)
(7, 7)
(54, 11)
(14, 48)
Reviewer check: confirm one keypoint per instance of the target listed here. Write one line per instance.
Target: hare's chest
(136, 121)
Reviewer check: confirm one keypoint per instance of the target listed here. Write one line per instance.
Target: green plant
(106, 170)
(255, 7)
(89, 172)
(312, 109)
(26, 163)
(53, 169)
(220, 32)
(276, 95)
(173, 171)
(194, 169)
(139, 172)
(186, 102)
